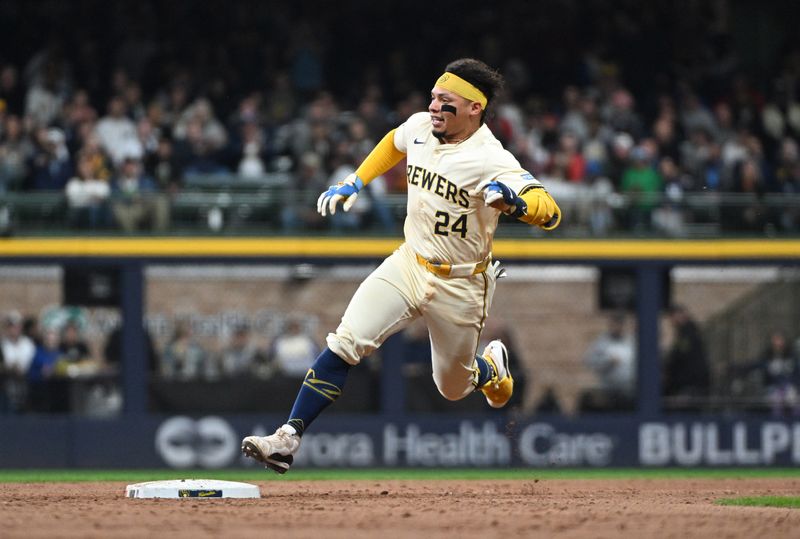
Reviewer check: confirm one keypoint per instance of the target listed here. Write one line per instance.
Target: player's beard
(441, 132)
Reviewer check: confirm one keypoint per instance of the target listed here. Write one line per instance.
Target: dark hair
(480, 75)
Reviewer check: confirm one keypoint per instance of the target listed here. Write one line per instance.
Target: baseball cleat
(499, 389)
(275, 451)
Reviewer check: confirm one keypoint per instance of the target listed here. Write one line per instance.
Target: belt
(444, 269)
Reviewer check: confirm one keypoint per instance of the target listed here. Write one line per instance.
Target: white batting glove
(346, 190)
(494, 191)
(499, 271)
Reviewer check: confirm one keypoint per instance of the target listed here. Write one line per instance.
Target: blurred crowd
(53, 363)
(769, 381)
(615, 117)
(49, 365)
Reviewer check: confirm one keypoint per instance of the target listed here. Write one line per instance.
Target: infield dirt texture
(576, 508)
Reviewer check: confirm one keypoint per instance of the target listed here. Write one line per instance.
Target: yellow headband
(454, 83)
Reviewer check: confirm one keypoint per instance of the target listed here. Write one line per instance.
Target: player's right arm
(382, 158)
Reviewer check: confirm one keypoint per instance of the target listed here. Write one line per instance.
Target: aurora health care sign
(213, 442)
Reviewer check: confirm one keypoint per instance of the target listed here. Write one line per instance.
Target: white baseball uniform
(447, 222)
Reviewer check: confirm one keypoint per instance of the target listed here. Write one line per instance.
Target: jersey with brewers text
(446, 221)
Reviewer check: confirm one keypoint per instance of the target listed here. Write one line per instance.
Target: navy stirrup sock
(322, 385)
(485, 371)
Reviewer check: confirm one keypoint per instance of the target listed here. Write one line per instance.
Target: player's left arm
(541, 208)
(529, 202)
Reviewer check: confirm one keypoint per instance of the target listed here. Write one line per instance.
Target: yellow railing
(528, 249)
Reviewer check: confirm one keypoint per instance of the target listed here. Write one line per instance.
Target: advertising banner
(212, 442)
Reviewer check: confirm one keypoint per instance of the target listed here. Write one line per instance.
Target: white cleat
(275, 451)
(499, 389)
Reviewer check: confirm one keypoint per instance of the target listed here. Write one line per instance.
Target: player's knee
(452, 390)
(345, 345)
(343, 348)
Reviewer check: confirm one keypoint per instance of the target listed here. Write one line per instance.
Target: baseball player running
(459, 181)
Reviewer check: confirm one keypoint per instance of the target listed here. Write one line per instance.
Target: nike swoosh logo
(419, 141)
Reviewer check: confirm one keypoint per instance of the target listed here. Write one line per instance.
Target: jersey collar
(473, 140)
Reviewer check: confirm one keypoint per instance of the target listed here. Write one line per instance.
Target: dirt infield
(679, 508)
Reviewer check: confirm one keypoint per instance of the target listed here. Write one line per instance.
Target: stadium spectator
(173, 100)
(306, 133)
(201, 138)
(665, 133)
(700, 157)
(601, 212)
(90, 148)
(695, 117)
(670, 216)
(619, 112)
(184, 358)
(148, 137)
(296, 212)
(253, 157)
(723, 119)
(30, 328)
(136, 201)
(619, 158)
(777, 373)
(43, 101)
(240, 356)
(751, 214)
(87, 196)
(196, 153)
(787, 181)
(568, 161)
(686, 376)
(17, 353)
(73, 347)
(164, 167)
(574, 120)
(294, 350)
(15, 151)
(612, 359)
(77, 112)
(643, 185)
(45, 394)
(132, 96)
(596, 149)
(117, 133)
(49, 166)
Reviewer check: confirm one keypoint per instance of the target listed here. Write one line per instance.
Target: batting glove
(494, 191)
(346, 190)
(499, 271)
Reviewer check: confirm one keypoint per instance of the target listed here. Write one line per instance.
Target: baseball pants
(401, 290)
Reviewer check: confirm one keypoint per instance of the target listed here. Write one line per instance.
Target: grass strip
(792, 502)
(376, 474)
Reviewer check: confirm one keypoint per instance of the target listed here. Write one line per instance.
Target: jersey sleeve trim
(530, 187)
